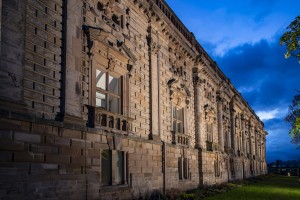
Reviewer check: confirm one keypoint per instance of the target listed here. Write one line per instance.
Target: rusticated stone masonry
(110, 99)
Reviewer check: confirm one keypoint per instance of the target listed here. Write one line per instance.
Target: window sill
(185, 180)
(114, 187)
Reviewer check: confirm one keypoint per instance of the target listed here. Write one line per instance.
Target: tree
(293, 117)
(291, 38)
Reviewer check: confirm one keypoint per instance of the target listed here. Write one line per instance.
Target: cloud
(231, 23)
(267, 81)
(278, 142)
(265, 115)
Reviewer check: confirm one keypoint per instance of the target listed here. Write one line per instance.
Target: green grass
(268, 188)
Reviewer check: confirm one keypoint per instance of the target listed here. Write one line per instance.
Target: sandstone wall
(52, 134)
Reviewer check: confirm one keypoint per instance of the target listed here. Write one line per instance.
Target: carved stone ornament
(201, 59)
(209, 113)
(197, 81)
(220, 99)
(154, 47)
(111, 63)
(179, 93)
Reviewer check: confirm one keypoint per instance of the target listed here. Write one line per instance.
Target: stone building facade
(113, 99)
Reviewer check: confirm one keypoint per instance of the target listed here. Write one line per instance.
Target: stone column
(261, 145)
(243, 136)
(256, 143)
(250, 139)
(265, 149)
(220, 123)
(154, 83)
(228, 135)
(233, 136)
(197, 89)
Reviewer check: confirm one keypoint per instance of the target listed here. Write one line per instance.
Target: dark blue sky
(243, 37)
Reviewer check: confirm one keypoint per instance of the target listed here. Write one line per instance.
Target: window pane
(185, 168)
(100, 79)
(180, 127)
(180, 168)
(119, 167)
(100, 100)
(179, 114)
(174, 126)
(174, 113)
(106, 175)
(113, 85)
(114, 104)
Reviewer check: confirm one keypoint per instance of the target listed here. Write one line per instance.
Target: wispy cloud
(265, 115)
(228, 24)
(243, 37)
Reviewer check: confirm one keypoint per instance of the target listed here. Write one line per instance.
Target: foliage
(291, 38)
(293, 117)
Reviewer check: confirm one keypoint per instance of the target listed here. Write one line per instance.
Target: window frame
(209, 132)
(106, 91)
(178, 121)
(114, 179)
(183, 168)
(217, 167)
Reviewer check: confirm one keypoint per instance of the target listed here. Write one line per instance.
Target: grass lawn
(273, 187)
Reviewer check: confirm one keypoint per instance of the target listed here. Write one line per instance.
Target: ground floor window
(113, 167)
(183, 168)
(217, 166)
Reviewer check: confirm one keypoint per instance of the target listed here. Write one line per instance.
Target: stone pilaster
(250, 139)
(220, 123)
(154, 85)
(256, 143)
(233, 133)
(197, 89)
(243, 136)
(72, 77)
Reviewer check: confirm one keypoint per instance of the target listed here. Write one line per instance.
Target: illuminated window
(108, 95)
(209, 132)
(178, 117)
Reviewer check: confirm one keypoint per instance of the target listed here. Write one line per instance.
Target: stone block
(93, 153)
(80, 143)
(44, 129)
(99, 146)
(44, 149)
(72, 134)
(72, 151)
(57, 140)
(134, 170)
(57, 159)
(23, 157)
(93, 137)
(11, 146)
(96, 161)
(5, 156)
(6, 135)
